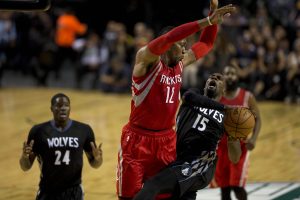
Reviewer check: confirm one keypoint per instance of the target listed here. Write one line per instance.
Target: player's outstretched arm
(95, 156)
(28, 156)
(149, 55)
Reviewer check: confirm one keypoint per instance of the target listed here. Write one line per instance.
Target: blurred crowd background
(83, 46)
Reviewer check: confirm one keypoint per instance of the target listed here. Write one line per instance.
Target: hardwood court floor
(276, 158)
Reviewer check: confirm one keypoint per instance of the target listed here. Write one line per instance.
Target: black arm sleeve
(194, 99)
(33, 136)
(90, 137)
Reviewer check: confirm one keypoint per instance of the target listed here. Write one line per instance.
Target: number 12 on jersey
(200, 125)
(170, 94)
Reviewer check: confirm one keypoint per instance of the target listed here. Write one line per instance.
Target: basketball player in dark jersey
(199, 129)
(58, 145)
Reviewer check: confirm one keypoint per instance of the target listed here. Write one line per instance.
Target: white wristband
(208, 20)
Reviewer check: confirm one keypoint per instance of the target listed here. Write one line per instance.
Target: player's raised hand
(97, 151)
(214, 5)
(218, 15)
(28, 156)
(27, 148)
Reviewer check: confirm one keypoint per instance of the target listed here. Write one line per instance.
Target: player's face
(177, 52)
(214, 86)
(61, 109)
(231, 78)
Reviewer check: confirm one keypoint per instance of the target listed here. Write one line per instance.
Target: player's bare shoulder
(144, 60)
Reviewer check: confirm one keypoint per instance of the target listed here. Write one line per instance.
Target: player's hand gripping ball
(239, 122)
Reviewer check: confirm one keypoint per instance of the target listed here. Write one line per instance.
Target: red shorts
(227, 173)
(143, 153)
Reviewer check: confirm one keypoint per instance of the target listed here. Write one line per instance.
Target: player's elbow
(186, 96)
(201, 49)
(209, 47)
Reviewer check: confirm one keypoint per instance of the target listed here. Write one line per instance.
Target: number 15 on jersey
(200, 123)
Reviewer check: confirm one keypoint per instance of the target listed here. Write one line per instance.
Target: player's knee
(151, 186)
(149, 191)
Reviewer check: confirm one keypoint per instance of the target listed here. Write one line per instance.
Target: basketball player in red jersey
(231, 176)
(148, 141)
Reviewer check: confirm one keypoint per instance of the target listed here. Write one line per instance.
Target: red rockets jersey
(241, 98)
(156, 97)
(234, 174)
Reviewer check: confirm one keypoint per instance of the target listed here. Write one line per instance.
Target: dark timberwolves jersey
(199, 130)
(60, 154)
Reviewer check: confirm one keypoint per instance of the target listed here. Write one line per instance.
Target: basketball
(239, 122)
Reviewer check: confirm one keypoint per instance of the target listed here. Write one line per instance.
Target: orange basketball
(239, 122)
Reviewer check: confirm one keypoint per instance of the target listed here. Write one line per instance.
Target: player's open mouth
(212, 84)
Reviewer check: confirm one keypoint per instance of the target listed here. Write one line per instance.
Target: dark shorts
(193, 177)
(182, 179)
(72, 193)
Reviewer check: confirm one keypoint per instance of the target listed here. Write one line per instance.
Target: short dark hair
(57, 96)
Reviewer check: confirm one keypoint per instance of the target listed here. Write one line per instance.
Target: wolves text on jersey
(211, 112)
(63, 142)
